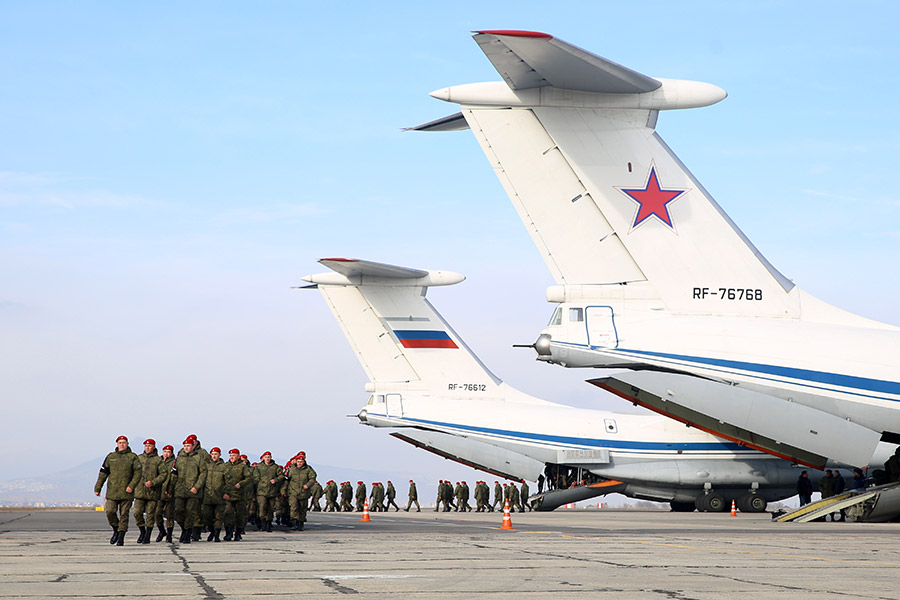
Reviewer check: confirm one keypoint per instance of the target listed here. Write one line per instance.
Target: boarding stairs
(874, 504)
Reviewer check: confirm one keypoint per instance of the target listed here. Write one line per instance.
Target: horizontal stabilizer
(352, 271)
(455, 122)
(779, 427)
(527, 59)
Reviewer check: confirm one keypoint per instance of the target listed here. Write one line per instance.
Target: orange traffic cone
(733, 509)
(507, 522)
(365, 518)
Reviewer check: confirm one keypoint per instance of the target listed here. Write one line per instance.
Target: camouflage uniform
(189, 472)
(146, 498)
(267, 492)
(346, 497)
(237, 481)
(523, 497)
(299, 481)
(391, 494)
(377, 498)
(331, 494)
(513, 497)
(498, 495)
(360, 496)
(316, 493)
(121, 469)
(413, 497)
(165, 508)
(214, 498)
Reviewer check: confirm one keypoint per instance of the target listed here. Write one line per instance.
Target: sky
(169, 171)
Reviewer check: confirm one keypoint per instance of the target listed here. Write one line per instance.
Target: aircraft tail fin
(572, 138)
(397, 335)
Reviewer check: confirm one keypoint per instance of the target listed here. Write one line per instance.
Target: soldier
(165, 508)
(146, 494)
(282, 504)
(247, 507)
(121, 471)
(440, 495)
(300, 478)
(513, 497)
(413, 497)
(331, 494)
(457, 493)
(346, 497)
(391, 494)
(523, 497)
(237, 478)
(189, 476)
(214, 495)
(315, 494)
(360, 495)
(826, 485)
(378, 497)
(498, 495)
(268, 476)
(464, 498)
(480, 504)
(448, 497)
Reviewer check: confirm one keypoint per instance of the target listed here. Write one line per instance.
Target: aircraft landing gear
(682, 506)
(711, 502)
(751, 503)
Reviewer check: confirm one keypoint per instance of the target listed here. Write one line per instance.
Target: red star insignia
(652, 200)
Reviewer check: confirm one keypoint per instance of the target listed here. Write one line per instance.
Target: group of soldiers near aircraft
(516, 497)
(200, 490)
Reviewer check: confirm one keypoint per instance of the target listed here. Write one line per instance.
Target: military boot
(140, 539)
(212, 534)
(185, 535)
(162, 535)
(115, 535)
(238, 536)
(120, 539)
(295, 525)
(269, 526)
(216, 532)
(299, 526)
(169, 535)
(229, 533)
(195, 534)
(147, 535)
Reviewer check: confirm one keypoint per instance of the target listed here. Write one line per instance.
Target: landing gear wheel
(752, 503)
(700, 503)
(715, 502)
(682, 506)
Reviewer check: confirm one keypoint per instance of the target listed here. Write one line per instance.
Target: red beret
(234, 451)
(266, 453)
(301, 454)
(168, 447)
(216, 449)
(120, 438)
(410, 480)
(359, 483)
(243, 456)
(193, 436)
(188, 440)
(150, 441)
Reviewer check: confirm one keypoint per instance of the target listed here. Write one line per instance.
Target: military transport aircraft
(654, 277)
(428, 386)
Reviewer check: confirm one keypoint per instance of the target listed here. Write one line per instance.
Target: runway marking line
(723, 550)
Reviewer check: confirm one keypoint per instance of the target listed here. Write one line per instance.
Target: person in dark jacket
(121, 472)
(804, 488)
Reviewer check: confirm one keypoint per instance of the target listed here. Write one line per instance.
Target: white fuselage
(644, 450)
(848, 369)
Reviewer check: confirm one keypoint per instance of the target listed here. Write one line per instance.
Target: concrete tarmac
(564, 554)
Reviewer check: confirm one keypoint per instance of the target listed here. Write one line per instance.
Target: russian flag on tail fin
(410, 338)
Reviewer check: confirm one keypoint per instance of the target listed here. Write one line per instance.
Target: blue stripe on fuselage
(589, 442)
(877, 386)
